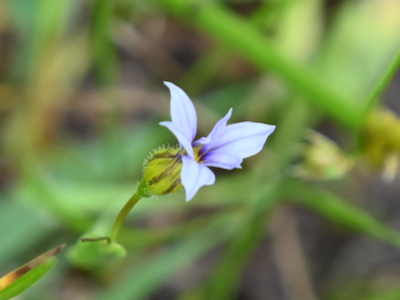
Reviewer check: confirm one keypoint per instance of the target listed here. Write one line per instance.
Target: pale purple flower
(225, 147)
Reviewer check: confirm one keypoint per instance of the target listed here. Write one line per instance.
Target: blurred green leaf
(341, 211)
(390, 294)
(91, 254)
(17, 281)
(143, 279)
(105, 54)
(361, 45)
(229, 28)
(262, 195)
(26, 280)
(28, 228)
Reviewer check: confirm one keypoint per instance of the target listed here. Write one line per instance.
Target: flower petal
(240, 140)
(194, 176)
(180, 135)
(215, 134)
(183, 113)
(227, 161)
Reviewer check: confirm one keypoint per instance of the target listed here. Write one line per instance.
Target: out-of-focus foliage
(18, 280)
(81, 96)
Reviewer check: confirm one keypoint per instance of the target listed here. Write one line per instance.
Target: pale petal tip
(189, 198)
(172, 86)
(164, 123)
(272, 128)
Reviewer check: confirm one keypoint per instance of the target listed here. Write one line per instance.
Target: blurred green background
(315, 215)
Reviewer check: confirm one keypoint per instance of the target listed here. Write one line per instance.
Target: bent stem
(122, 215)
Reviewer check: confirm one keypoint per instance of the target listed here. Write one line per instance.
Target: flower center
(198, 154)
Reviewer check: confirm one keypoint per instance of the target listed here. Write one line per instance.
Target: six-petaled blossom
(225, 147)
(169, 169)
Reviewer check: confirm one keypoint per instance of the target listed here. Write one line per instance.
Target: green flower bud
(162, 173)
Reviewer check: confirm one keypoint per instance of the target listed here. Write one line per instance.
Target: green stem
(384, 81)
(122, 215)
